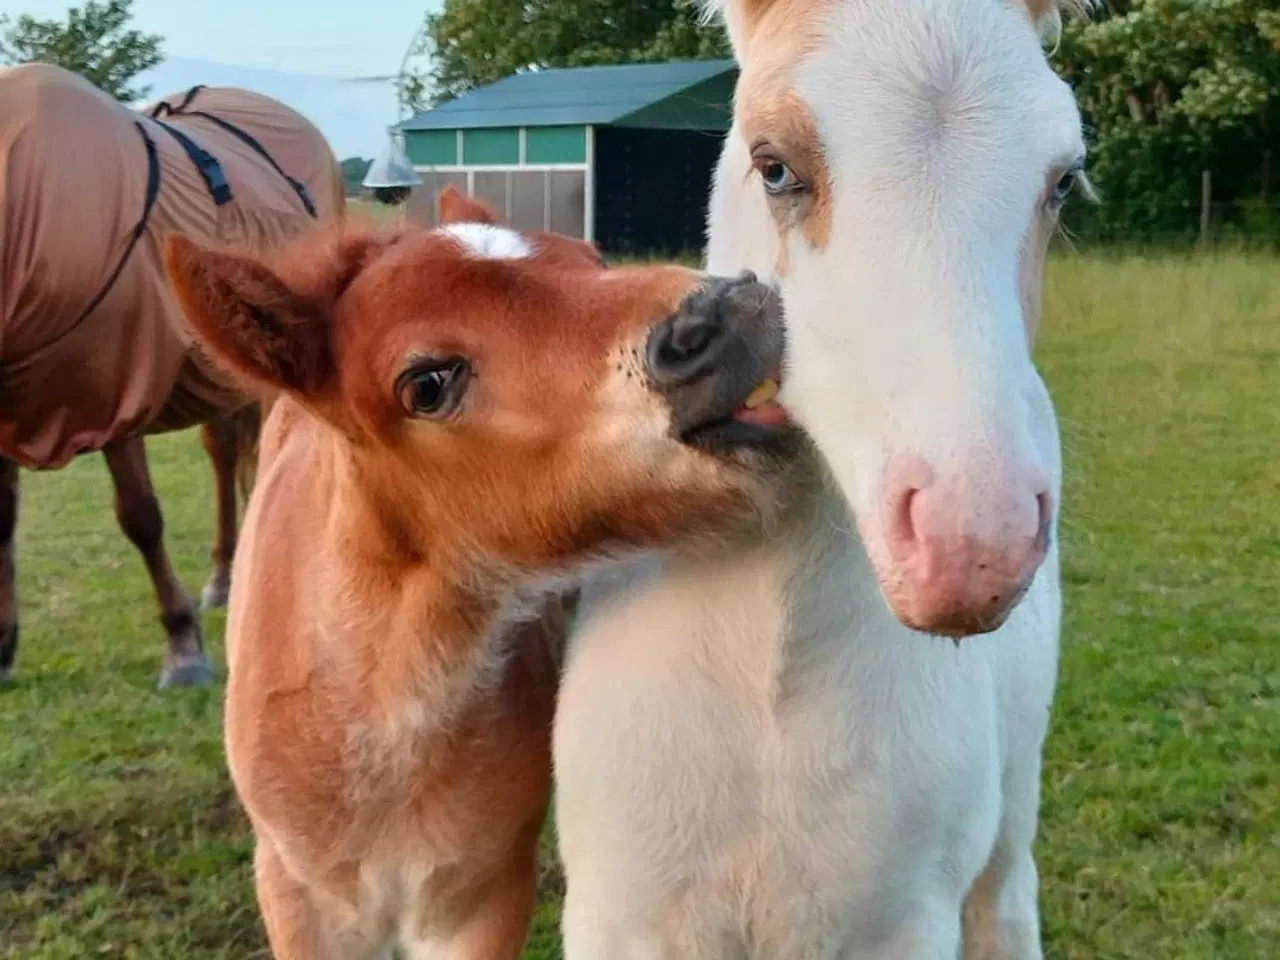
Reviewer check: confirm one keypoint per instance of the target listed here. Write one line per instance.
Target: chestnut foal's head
(504, 394)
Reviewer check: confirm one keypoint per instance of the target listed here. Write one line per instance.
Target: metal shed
(620, 155)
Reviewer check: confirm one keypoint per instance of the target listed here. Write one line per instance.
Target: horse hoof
(214, 595)
(190, 673)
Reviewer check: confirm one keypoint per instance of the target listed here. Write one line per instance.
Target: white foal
(769, 752)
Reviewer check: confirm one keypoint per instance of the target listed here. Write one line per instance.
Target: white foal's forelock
(1046, 14)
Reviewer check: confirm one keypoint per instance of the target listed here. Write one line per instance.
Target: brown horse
(94, 354)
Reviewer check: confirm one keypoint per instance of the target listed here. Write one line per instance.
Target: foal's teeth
(762, 394)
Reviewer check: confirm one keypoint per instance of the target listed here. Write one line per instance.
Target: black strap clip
(206, 164)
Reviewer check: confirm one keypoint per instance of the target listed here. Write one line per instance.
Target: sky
(303, 36)
(304, 52)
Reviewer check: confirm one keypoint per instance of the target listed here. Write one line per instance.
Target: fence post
(1206, 207)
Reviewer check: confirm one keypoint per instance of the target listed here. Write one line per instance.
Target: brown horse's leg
(220, 443)
(138, 510)
(232, 445)
(8, 581)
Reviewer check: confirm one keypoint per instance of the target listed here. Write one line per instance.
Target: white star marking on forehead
(489, 241)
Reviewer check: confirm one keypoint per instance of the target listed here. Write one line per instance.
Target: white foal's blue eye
(778, 177)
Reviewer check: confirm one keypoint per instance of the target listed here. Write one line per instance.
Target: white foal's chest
(756, 761)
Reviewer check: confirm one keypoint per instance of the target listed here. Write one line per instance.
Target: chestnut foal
(469, 416)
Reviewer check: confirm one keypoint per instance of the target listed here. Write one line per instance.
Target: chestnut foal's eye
(433, 389)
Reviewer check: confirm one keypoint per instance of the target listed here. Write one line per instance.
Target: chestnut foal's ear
(250, 319)
(456, 207)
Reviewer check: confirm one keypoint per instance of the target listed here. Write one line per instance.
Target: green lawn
(120, 836)
(375, 212)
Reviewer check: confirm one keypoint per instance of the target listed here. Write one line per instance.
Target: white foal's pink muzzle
(964, 547)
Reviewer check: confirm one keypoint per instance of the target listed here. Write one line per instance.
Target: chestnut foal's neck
(410, 620)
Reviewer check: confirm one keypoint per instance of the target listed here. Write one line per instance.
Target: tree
(353, 172)
(1169, 88)
(93, 41)
(474, 42)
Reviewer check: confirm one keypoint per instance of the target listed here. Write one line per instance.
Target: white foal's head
(898, 167)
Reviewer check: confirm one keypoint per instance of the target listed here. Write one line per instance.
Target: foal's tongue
(769, 415)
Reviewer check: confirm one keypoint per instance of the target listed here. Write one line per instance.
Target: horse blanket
(93, 346)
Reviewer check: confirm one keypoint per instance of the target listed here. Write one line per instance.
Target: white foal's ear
(738, 16)
(1046, 15)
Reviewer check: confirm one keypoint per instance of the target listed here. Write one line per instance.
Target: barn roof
(634, 94)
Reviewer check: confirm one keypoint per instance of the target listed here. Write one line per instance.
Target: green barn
(619, 155)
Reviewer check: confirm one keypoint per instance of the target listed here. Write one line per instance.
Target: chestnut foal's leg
(298, 928)
(499, 925)
(220, 443)
(8, 580)
(138, 510)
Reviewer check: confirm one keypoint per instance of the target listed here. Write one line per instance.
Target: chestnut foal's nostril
(686, 348)
(690, 336)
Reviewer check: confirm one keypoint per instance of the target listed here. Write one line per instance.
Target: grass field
(120, 837)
